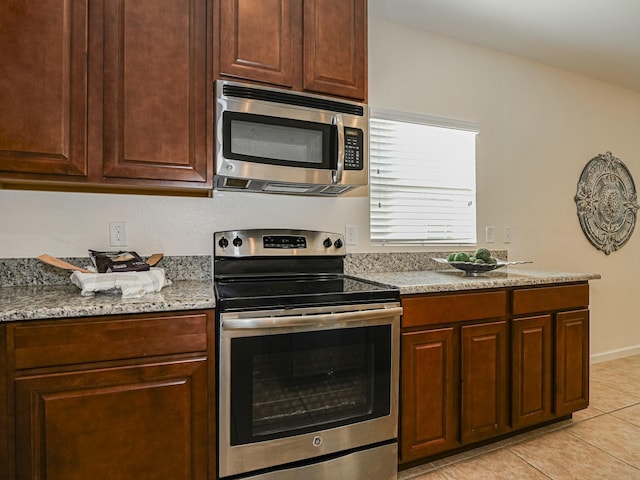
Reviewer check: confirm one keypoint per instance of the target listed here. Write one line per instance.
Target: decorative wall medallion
(607, 202)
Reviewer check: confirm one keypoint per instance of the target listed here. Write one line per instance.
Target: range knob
(327, 242)
(237, 242)
(337, 243)
(223, 242)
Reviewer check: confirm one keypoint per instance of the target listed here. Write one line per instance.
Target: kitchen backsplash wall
(400, 262)
(20, 272)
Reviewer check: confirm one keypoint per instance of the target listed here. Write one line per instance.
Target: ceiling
(596, 38)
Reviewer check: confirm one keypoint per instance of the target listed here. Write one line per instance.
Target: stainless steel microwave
(278, 141)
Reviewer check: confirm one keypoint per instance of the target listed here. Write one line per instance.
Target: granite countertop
(450, 280)
(63, 301)
(192, 286)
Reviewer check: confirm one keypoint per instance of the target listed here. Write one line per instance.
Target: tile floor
(601, 442)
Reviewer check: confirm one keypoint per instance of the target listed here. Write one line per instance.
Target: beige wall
(539, 127)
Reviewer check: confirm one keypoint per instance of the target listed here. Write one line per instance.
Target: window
(422, 184)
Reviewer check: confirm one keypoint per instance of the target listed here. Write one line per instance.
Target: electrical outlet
(351, 232)
(117, 234)
(489, 234)
(506, 235)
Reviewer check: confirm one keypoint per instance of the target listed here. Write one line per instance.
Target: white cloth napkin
(131, 284)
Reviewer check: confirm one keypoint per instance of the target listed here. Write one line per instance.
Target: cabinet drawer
(545, 299)
(97, 339)
(453, 308)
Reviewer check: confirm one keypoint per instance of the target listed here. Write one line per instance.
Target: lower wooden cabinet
(453, 381)
(477, 365)
(4, 408)
(138, 410)
(562, 318)
(572, 361)
(484, 392)
(430, 379)
(531, 370)
(116, 424)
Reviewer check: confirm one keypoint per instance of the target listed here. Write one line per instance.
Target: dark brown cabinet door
(335, 47)
(572, 361)
(155, 90)
(144, 422)
(4, 408)
(257, 40)
(484, 380)
(532, 370)
(43, 87)
(317, 46)
(429, 393)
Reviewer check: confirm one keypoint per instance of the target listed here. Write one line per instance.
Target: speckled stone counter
(31, 290)
(62, 301)
(450, 280)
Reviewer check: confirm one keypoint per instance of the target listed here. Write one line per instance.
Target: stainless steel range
(308, 360)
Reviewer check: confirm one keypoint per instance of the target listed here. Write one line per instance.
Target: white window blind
(422, 179)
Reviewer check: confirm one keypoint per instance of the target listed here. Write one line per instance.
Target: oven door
(299, 384)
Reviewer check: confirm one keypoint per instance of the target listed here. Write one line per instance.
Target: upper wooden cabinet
(318, 46)
(113, 95)
(155, 90)
(335, 47)
(259, 41)
(43, 87)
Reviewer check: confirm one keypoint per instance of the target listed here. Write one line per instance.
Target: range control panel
(277, 242)
(284, 241)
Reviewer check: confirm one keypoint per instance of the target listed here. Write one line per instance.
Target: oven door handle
(314, 320)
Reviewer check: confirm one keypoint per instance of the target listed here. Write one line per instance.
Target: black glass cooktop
(299, 291)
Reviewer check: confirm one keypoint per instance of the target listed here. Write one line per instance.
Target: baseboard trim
(615, 354)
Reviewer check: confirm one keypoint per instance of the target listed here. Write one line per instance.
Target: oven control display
(284, 241)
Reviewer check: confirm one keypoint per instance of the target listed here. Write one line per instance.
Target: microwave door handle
(336, 175)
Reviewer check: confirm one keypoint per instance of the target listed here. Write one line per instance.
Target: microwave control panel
(353, 154)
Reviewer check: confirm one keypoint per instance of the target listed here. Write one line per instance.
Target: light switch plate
(490, 234)
(351, 234)
(506, 235)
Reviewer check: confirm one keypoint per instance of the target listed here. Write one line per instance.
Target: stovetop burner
(287, 269)
(289, 292)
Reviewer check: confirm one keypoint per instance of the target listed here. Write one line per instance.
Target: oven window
(277, 141)
(283, 385)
